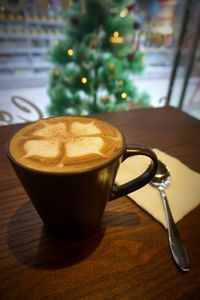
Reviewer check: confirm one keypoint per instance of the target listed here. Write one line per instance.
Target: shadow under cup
(71, 204)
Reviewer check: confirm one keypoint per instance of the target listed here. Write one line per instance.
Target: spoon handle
(177, 247)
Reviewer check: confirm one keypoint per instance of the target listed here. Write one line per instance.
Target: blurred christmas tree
(94, 60)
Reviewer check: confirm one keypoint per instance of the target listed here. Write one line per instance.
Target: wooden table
(128, 258)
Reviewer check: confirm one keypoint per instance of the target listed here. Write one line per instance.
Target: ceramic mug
(71, 203)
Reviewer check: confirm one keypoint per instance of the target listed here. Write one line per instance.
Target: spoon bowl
(162, 176)
(161, 181)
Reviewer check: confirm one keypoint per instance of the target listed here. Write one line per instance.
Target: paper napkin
(183, 193)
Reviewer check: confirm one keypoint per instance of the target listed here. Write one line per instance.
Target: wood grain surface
(128, 258)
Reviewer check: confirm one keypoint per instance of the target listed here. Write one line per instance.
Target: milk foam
(51, 131)
(84, 146)
(40, 148)
(76, 140)
(80, 129)
(65, 144)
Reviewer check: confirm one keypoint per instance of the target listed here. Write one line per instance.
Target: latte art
(65, 144)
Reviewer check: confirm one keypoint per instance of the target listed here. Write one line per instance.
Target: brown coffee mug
(72, 203)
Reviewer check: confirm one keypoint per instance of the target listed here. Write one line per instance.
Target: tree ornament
(131, 7)
(123, 13)
(116, 38)
(56, 72)
(120, 82)
(105, 99)
(66, 79)
(81, 56)
(111, 67)
(114, 64)
(131, 56)
(94, 42)
(136, 25)
(113, 10)
(75, 21)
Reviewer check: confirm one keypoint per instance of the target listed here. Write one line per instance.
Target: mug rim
(64, 173)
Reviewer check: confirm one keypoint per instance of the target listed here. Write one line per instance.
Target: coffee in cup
(63, 144)
(67, 166)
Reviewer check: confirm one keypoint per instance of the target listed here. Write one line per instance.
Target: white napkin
(183, 192)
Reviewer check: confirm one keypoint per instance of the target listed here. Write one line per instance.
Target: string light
(70, 52)
(123, 13)
(123, 95)
(84, 80)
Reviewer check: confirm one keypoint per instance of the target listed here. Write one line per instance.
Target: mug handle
(144, 178)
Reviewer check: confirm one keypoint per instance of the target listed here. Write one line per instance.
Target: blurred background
(84, 57)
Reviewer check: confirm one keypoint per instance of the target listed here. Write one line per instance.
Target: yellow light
(123, 95)
(70, 52)
(123, 13)
(116, 34)
(84, 80)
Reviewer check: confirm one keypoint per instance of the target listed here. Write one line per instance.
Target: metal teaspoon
(179, 253)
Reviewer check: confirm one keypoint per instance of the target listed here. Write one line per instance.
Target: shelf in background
(24, 80)
(23, 50)
(46, 22)
(25, 65)
(26, 36)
